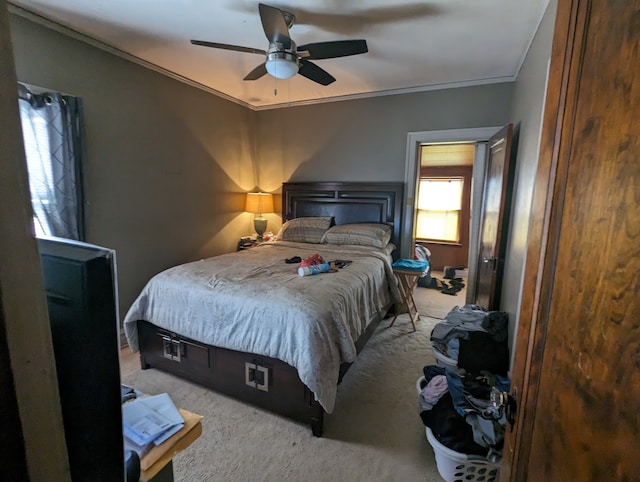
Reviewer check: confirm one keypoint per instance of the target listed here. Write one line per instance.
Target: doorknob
(510, 406)
(506, 401)
(492, 260)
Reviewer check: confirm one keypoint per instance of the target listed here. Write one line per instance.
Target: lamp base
(260, 225)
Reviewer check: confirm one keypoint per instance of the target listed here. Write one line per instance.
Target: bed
(247, 325)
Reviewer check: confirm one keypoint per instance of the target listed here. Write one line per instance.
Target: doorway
(443, 222)
(476, 136)
(443, 202)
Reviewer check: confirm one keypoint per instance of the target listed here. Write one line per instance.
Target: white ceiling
(413, 45)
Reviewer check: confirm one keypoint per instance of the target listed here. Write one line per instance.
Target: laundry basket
(419, 383)
(443, 360)
(456, 467)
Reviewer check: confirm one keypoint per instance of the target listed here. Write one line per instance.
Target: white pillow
(389, 248)
(305, 230)
(368, 234)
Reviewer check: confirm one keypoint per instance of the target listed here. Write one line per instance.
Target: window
(51, 133)
(439, 209)
(36, 147)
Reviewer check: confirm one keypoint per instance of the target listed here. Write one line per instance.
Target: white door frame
(414, 139)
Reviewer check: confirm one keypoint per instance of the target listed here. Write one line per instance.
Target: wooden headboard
(347, 202)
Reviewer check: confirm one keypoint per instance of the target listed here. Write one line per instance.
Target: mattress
(253, 301)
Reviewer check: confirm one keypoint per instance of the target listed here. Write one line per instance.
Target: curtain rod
(23, 92)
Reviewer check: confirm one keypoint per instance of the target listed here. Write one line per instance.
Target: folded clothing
(411, 264)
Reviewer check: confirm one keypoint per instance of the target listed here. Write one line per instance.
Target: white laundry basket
(457, 467)
(442, 360)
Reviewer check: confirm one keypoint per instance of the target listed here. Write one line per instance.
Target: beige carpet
(433, 303)
(375, 432)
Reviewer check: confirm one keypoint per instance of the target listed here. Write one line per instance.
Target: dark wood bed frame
(267, 382)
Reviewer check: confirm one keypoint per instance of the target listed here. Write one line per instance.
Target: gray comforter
(252, 301)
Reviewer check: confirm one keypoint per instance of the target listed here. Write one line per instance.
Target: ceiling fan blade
(312, 72)
(237, 48)
(256, 73)
(274, 25)
(330, 50)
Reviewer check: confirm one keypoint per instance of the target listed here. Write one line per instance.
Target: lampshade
(282, 65)
(259, 202)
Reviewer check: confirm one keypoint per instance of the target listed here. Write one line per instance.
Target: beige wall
(166, 163)
(366, 139)
(528, 104)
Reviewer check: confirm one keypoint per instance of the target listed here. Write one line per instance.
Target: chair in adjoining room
(408, 272)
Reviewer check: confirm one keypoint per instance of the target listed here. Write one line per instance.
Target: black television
(80, 280)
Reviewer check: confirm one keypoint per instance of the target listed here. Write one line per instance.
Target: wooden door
(494, 217)
(33, 445)
(576, 365)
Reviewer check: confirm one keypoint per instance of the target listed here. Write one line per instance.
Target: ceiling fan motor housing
(282, 63)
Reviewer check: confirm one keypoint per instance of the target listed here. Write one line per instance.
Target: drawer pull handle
(256, 376)
(173, 349)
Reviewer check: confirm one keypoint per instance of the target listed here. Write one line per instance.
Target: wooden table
(407, 282)
(157, 464)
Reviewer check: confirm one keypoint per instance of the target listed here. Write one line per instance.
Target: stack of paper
(149, 421)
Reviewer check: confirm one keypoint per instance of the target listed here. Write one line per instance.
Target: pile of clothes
(463, 405)
(450, 287)
(476, 339)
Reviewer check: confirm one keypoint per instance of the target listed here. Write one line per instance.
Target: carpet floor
(374, 433)
(433, 303)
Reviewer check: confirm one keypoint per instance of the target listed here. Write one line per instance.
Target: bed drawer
(260, 380)
(164, 348)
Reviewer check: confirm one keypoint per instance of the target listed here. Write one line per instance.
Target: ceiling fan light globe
(281, 65)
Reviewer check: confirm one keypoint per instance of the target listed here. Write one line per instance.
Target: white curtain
(51, 131)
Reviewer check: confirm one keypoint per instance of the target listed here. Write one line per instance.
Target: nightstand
(248, 243)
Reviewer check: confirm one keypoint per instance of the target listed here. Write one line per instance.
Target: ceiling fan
(284, 59)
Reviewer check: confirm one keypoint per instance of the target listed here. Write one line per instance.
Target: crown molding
(382, 93)
(41, 20)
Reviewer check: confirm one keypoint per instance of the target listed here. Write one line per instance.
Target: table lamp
(259, 203)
